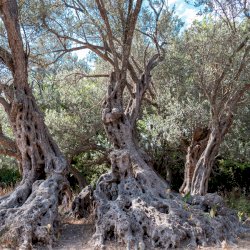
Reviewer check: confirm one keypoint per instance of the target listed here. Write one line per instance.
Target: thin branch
(8, 146)
(236, 98)
(89, 146)
(103, 12)
(6, 58)
(219, 80)
(5, 104)
(84, 75)
(129, 32)
(9, 153)
(227, 19)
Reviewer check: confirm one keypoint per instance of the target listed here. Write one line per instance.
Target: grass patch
(9, 176)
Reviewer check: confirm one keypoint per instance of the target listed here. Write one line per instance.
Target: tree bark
(29, 213)
(198, 144)
(201, 155)
(135, 206)
(206, 160)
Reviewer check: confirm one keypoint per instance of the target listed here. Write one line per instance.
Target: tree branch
(5, 104)
(129, 33)
(6, 58)
(9, 11)
(83, 75)
(9, 153)
(99, 50)
(8, 146)
(219, 80)
(103, 12)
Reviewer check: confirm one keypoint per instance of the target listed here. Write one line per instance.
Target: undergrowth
(6, 190)
(240, 202)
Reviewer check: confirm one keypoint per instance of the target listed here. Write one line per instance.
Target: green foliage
(90, 167)
(71, 104)
(237, 144)
(166, 156)
(186, 197)
(229, 165)
(6, 129)
(228, 175)
(9, 175)
(239, 202)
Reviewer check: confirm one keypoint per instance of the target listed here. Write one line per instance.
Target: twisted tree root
(136, 207)
(37, 219)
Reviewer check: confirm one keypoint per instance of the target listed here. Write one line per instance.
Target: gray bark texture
(29, 213)
(135, 206)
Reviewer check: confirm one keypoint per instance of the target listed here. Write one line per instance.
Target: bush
(9, 176)
(229, 175)
(92, 165)
(240, 202)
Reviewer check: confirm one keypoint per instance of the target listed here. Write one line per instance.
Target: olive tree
(132, 201)
(219, 51)
(29, 213)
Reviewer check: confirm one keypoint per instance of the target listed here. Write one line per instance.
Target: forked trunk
(198, 144)
(31, 208)
(205, 164)
(201, 156)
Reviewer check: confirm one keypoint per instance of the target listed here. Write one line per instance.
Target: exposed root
(37, 219)
(135, 206)
(17, 197)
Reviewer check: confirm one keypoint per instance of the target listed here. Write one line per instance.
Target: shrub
(229, 175)
(240, 202)
(9, 176)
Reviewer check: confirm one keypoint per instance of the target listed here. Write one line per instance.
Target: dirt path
(76, 235)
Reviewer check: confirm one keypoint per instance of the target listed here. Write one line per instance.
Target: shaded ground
(76, 235)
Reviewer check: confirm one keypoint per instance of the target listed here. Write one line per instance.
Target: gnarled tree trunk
(194, 151)
(206, 161)
(201, 156)
(29, 213)
(134, 205)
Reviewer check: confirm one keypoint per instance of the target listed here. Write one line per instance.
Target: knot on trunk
(56, 165)
(113, 116)
(83, 204)
(121, 163)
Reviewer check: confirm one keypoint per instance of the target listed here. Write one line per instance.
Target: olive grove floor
(76, 235)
